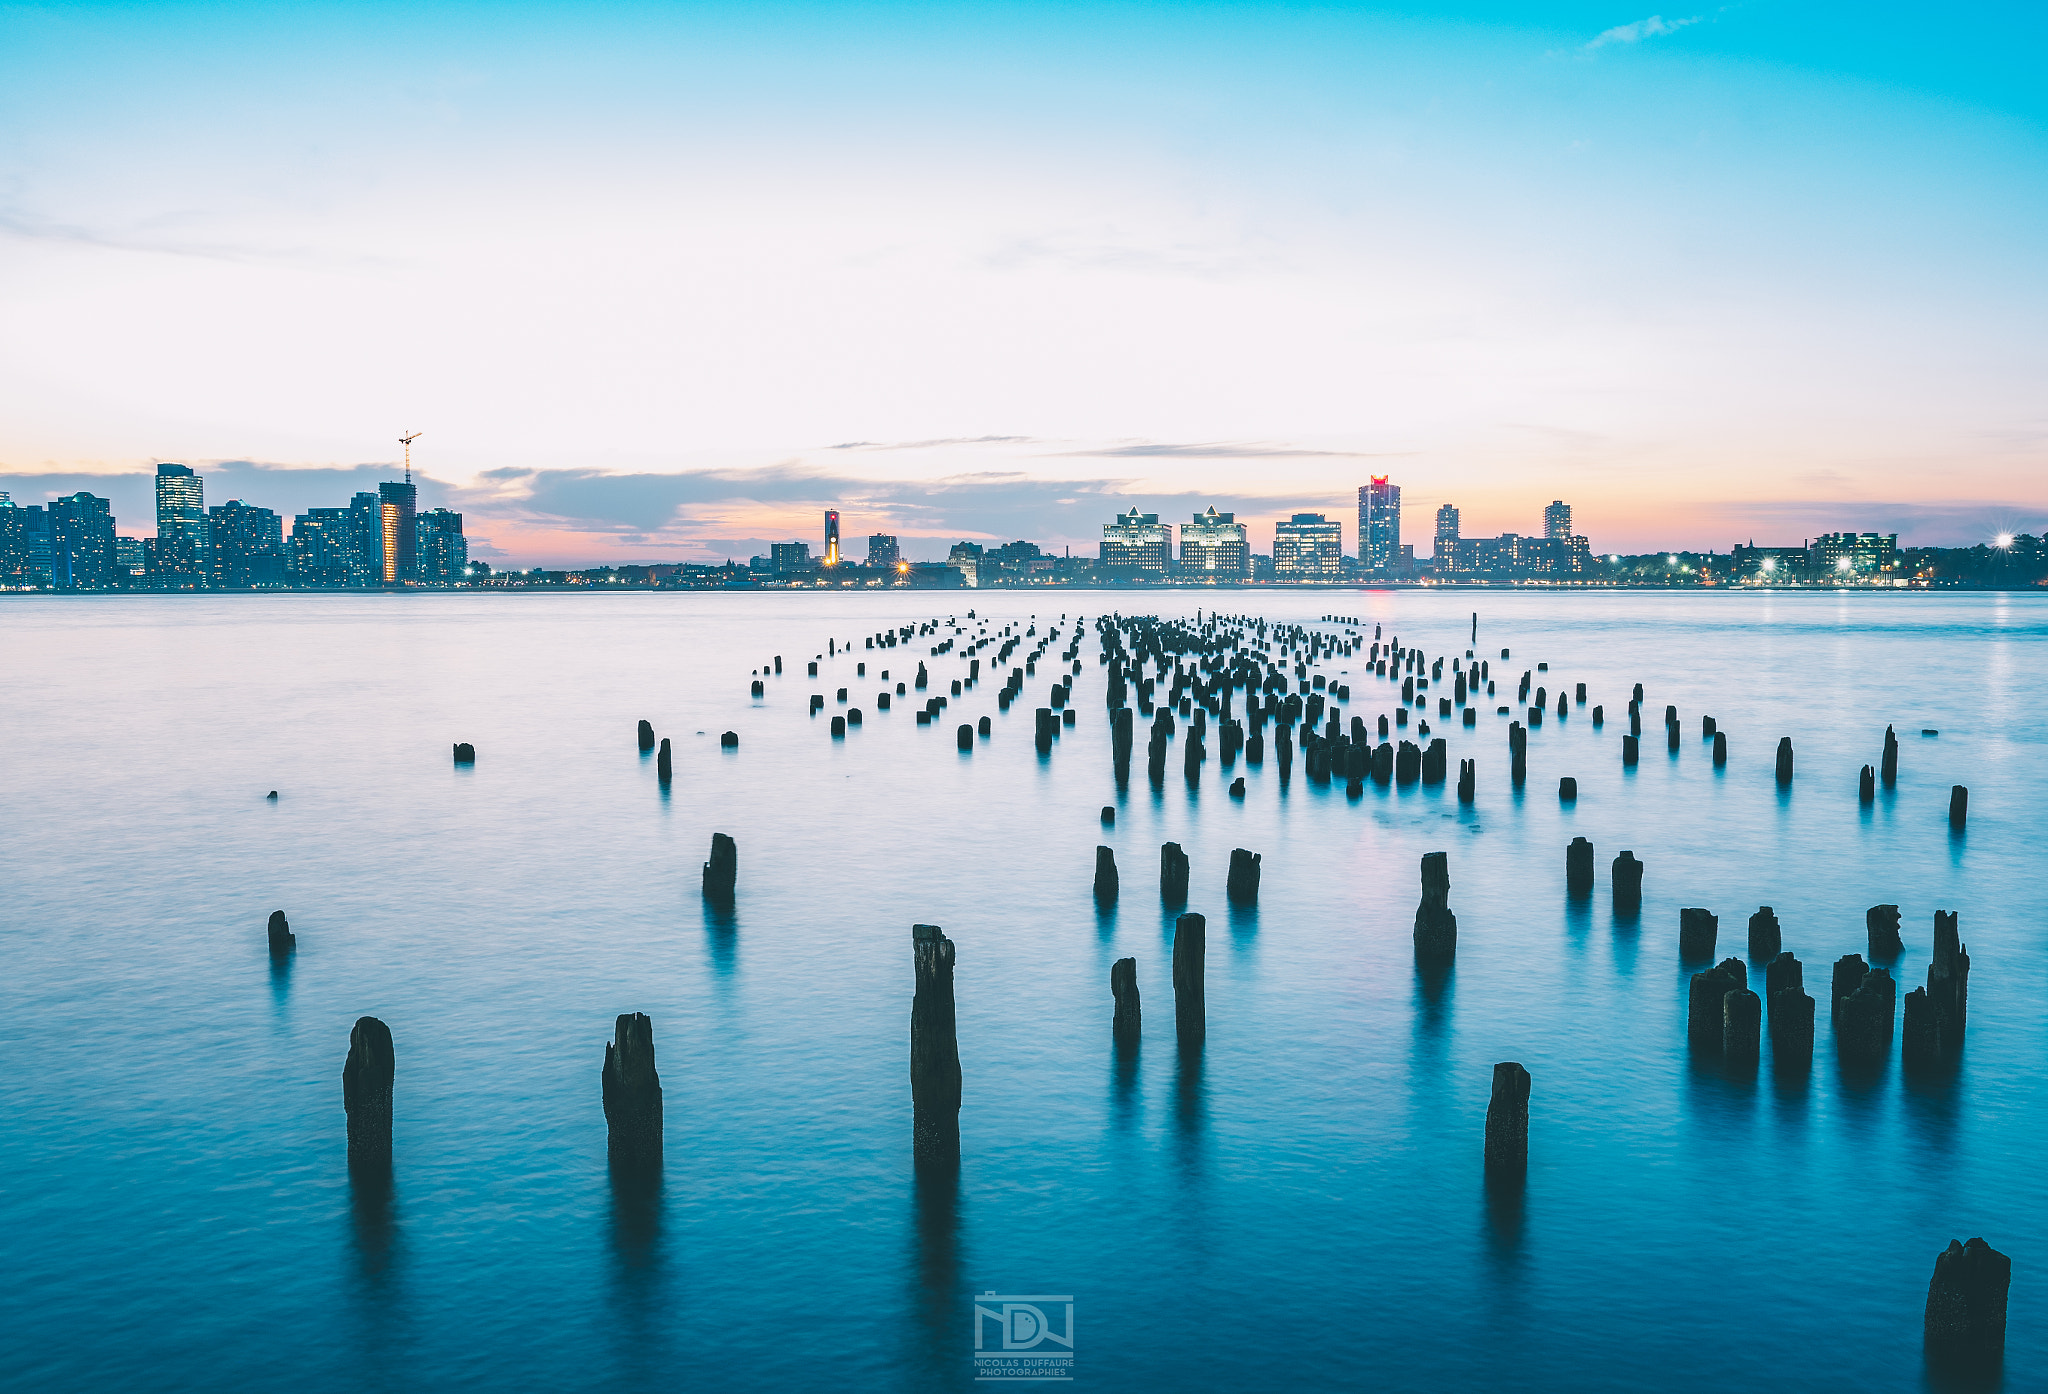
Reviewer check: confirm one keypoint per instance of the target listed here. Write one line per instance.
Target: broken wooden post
(1173, 874)
(664, 767)
(366, 1094)
(1242, 888)
(1436, 928)
(1765, 937)
(1697, 930)
(1578, 868)
(1507, 1123)
(1965, 1318)
(722, 872)
(1627, 874)
(632, 1095)
(934, 1052)
(282, 940)
(646, 736)
(1105, 876)
(1128, 1025)
(1188, 946)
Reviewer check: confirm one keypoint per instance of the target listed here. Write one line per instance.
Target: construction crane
(407, 441)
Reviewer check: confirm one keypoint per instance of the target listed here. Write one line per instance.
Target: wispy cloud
(933, 444)
(158, 241)
(1222, 450)
(1655, 26)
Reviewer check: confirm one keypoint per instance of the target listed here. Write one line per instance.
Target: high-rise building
(1557, 521)
(397, 505)
(831, 537)
(790, 558)
(1136, 542)
(1445, 552)
(1379, 525)
(36, 546)
(883, 551)
(13, 545)
(81, 542)
(323, 547)
(184, 548)
(366, 540)
(248, 545)
(1308, 547)
(443, 550)
(1215, 544)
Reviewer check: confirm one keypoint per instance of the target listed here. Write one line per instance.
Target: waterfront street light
(2003, 540)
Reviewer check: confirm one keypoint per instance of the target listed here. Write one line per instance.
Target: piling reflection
(939, 1308)
(1504, 1213)
(373, 1223)
(721, 936)
(636, 1244)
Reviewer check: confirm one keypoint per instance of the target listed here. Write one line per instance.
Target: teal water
(1302, 1206)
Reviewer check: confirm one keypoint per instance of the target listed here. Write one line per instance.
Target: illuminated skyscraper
(1308, 546)
(1136, 542)
(831, 537)
(1557, 521)
(1379, 525)
(883, 551)
(184, 542)
(1214, 545)
(397, 505)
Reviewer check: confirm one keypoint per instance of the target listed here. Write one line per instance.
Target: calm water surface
(1302, 1207)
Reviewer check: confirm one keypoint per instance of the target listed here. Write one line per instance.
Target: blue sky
(661, 282)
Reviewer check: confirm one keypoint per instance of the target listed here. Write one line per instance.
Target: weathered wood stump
(1965, 1319)
(934, 1052)
(632, 1095)
(1436, 928)
(1128, 1025)
(366, 1093)
(722, 872)
(1189, 1017)
(1507, 1123)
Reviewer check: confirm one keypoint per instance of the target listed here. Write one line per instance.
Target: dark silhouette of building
(323, 547)
(248, 545)
(443, 550)
(81, 542)
(366, 540)
(831, 537)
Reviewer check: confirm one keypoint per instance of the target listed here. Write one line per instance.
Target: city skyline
(979, 512)
(383, 539)
(1753, 272)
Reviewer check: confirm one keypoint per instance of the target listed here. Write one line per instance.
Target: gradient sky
(661, 282)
